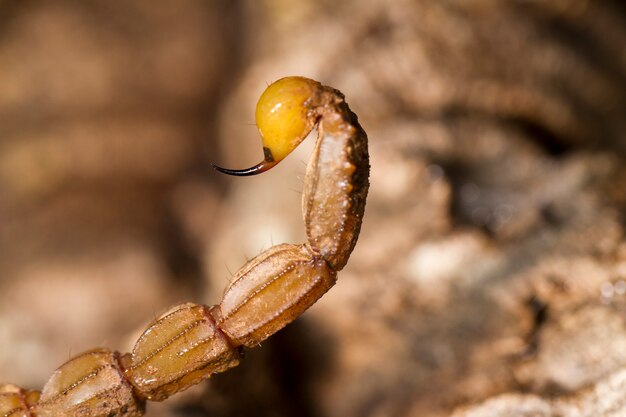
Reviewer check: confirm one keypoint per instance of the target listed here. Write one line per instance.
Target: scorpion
(191, 342)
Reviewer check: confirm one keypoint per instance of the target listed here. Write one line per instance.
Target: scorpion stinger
(285, 115)
(254, 170)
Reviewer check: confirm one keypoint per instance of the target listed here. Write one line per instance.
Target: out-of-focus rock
(105, 115)
(605, 399)
(496, 141)
(490, 274)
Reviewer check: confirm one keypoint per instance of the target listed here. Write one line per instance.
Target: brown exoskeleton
(191, 342)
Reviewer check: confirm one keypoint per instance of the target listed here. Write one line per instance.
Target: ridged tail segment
(17, 402)
(178, 350)
(91, 384)
(271, 291)
(336, 181)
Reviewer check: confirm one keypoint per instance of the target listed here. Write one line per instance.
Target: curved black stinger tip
(257, 169)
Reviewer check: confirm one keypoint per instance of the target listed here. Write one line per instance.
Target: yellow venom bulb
(284, 116)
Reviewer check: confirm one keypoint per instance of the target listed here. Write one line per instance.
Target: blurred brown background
(492, 259)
